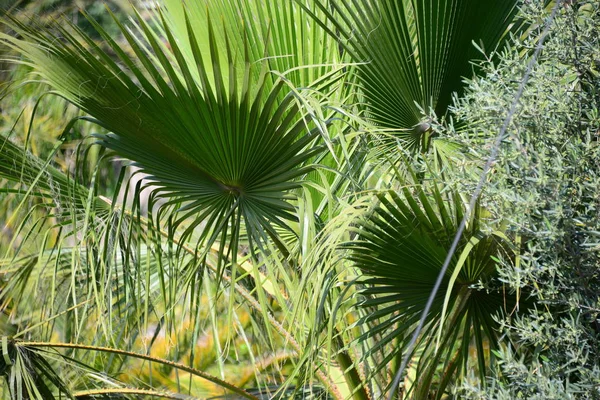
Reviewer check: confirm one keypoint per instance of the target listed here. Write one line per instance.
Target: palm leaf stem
(357, 387)
(265, 364)
(125, 353)
(131, 391)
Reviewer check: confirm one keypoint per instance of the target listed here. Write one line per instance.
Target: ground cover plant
(254, 199)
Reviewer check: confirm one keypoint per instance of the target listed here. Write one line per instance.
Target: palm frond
(220, 152)
(36, 177)
(31, 375)
(401, 247)
(413, 54)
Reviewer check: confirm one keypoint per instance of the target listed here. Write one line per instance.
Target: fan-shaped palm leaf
(414, 53)
(224, 152)
(401, 248)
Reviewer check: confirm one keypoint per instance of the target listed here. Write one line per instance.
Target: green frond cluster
(255, 198)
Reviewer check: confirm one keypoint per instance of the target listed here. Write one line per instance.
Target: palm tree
(298, 212)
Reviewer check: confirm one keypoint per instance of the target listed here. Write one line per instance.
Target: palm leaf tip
(28, 374)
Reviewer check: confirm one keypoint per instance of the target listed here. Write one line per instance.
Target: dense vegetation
(254, 199)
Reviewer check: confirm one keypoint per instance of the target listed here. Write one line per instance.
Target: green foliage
(402, 247)
(303, 169)
(545, 190)
(413, 54)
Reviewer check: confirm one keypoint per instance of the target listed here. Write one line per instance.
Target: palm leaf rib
(31, 353)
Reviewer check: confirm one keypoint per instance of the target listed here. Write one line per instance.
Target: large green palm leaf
(401, 248)
(224, 151)
(296, 49)
(413, 54)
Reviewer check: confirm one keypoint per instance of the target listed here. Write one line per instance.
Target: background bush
(545, 187)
